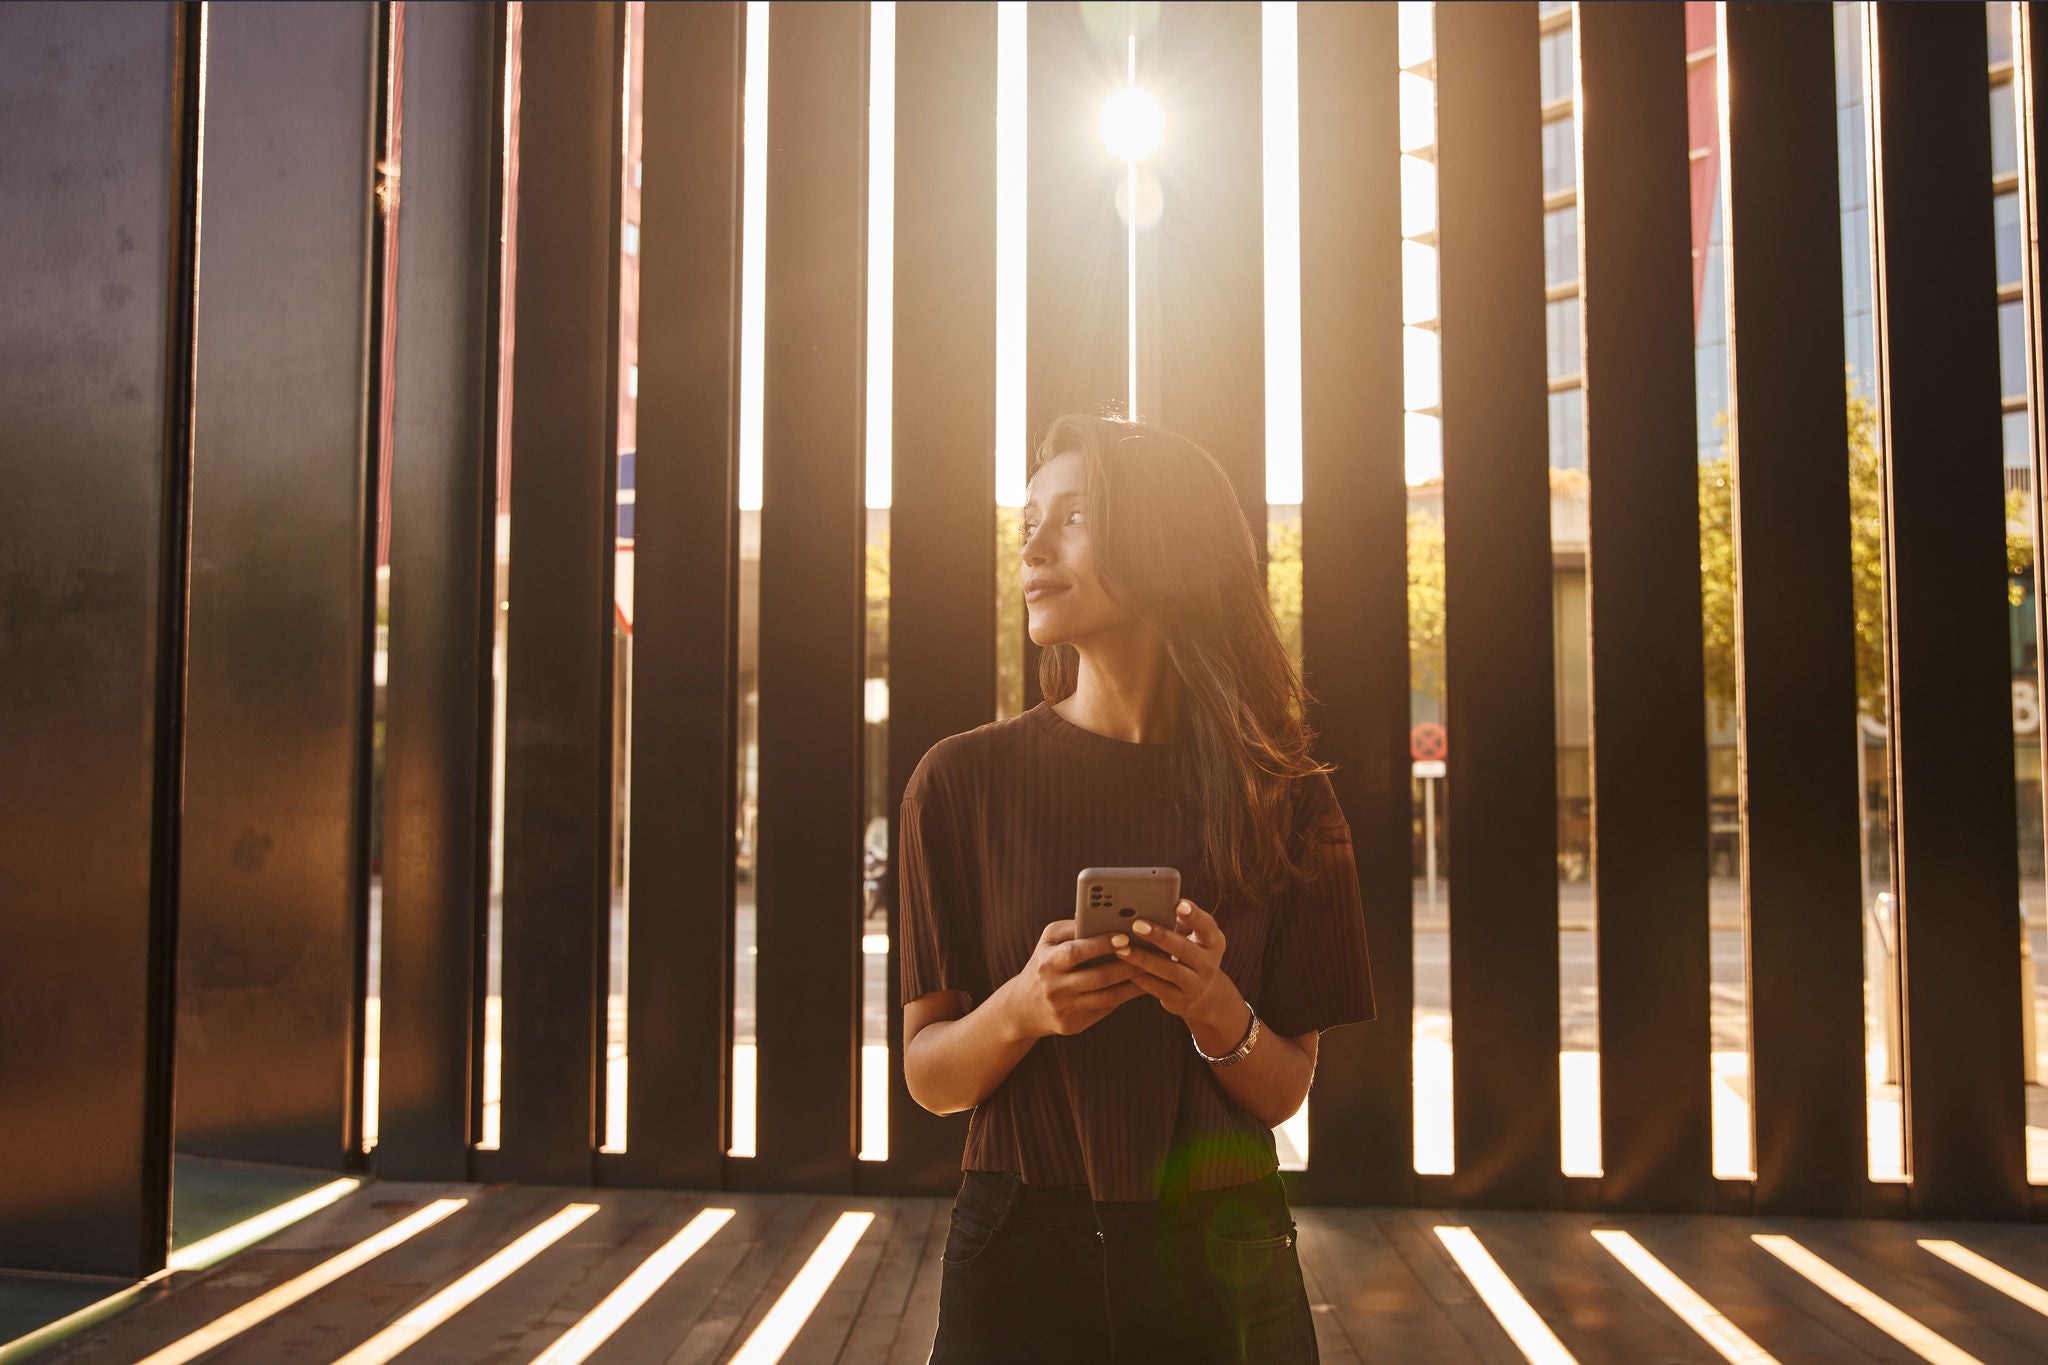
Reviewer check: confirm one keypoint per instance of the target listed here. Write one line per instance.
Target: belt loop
(1013, 1196)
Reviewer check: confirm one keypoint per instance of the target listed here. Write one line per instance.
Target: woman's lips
(1033, 593)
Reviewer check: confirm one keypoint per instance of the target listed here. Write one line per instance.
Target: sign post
(1428, 746)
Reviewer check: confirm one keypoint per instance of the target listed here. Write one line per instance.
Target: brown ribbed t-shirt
(997, 824)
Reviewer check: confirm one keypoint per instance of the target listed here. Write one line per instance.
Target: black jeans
(1036, 1273)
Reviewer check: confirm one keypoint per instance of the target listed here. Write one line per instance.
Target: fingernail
(1119, 940)
(1181, 908)
(1123, 952)
(1143, 926)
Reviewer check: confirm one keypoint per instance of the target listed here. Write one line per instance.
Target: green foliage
(1283, 591)
(1426, 579)
(1717, 582)
(1866, 562)
(878, 592)
(2019, 547)
(1866, 550)
(1425, 596)
(1426, 604)
(1283, 583)
(1009, 605)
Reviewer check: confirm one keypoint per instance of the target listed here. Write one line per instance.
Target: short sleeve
(1317, 973)
(941, 930)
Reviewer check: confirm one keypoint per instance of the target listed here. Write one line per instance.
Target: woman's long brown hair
(1172, 544)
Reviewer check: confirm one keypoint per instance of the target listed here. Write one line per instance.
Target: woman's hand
(954, 1056)
(1056, 994)
(1188, 978)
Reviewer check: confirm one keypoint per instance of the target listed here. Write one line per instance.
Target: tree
(1009, 602)
(1283, 591)
(1866, 562)
(878, 594)
(1283, 582)
(1717, 582)
(1426, 604)
(1425, 596)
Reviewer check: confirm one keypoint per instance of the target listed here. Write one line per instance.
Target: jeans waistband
(1071, 1206)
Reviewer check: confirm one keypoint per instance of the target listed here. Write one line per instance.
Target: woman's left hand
(1188, 980)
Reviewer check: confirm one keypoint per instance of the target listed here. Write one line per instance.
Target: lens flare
(1132, 124)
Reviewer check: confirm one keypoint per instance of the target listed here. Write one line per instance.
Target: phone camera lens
(1127, 912)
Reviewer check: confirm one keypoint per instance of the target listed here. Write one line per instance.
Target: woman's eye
(1028, 528)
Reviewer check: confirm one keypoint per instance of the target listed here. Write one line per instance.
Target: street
(1578, 1021)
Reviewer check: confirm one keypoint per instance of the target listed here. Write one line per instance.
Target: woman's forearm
(1273, 1079)
(1068, 985)
(955, 1064)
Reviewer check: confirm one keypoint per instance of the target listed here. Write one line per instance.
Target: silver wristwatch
(1237, 1054)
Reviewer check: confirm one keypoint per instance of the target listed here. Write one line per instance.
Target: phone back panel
(1107, 899)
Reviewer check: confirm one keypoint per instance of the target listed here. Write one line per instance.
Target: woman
(1119, 1198)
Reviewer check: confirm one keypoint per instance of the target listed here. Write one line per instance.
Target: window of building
(2012, 349)
(2017, 455)
(2005, 221)
(1561, 246)
(1568, 429)
(1418, 283)
(1421, 373)
(1418, 196)
(1560, 152)
(1711, 325)
(1418, 112)
(1857, 272)
(1557, 65)
(1710, 403)
(1561, 326)
(2005, 153)
(1416, 38)
(1998, 30)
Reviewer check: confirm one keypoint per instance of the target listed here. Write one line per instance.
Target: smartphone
(1107, 899)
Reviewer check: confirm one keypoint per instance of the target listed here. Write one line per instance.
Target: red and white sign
(1428, 742)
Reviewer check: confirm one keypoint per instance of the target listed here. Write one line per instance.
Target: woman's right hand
(1055, 994)
(956, 1052)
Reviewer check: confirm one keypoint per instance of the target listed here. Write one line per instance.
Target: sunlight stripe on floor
(772, 1337)
(230, 1325)
(467, 1290)
(1908, 1331)
(597, 1326)
(1528, 1331)
(1712, 1325)
(1989, 1271)
(225, 1243)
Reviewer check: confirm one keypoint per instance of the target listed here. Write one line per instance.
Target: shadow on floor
(207, 1196)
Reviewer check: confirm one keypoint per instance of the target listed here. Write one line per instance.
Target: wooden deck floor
(1385, 1285)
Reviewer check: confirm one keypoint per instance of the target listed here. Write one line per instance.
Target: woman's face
(1064, 600)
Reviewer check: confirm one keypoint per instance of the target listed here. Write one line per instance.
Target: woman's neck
(1125, 689)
